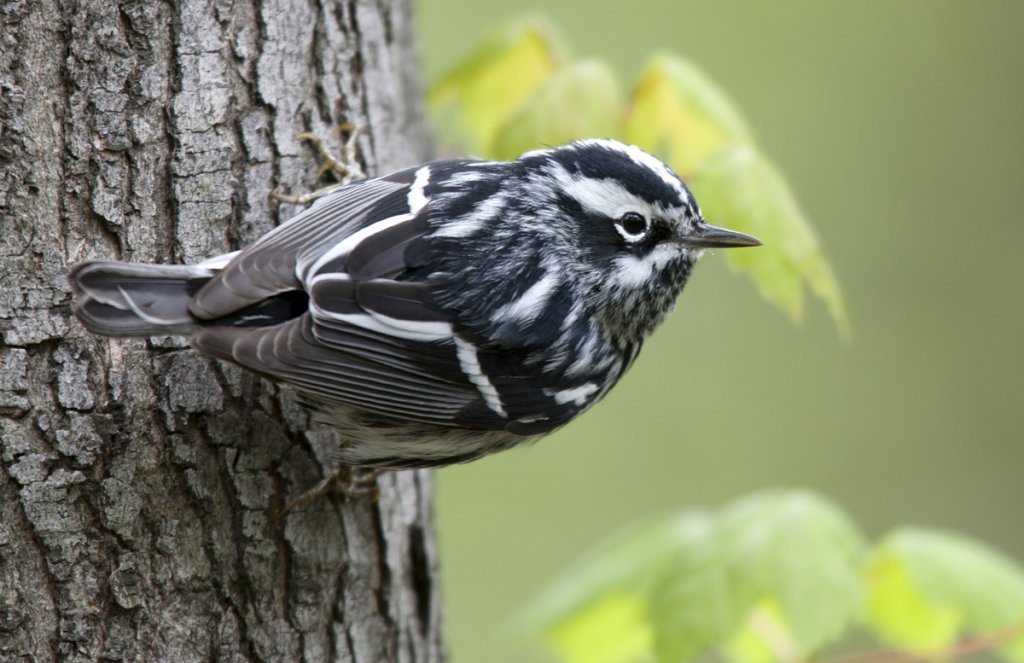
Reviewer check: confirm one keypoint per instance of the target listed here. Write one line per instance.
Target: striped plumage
(442, 312)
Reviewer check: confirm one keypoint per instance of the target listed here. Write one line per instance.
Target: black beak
(704, 236)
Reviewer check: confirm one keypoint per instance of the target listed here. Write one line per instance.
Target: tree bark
(140, 482)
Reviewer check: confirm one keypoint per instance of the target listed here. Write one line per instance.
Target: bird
(442, 312)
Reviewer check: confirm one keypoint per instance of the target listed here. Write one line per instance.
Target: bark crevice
(139, 482)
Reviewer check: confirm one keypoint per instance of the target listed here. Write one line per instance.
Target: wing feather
(269, 266)
(386, 254)
(347, 375)
(374, 336)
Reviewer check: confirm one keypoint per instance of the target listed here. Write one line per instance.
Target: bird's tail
(133, 299)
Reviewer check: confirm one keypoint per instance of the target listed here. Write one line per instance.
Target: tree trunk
(140, 482)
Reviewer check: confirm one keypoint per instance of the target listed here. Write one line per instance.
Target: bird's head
(626, 225)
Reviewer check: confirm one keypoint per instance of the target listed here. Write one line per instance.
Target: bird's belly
(374, 441)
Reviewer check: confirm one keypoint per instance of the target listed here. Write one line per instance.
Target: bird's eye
(632, 226)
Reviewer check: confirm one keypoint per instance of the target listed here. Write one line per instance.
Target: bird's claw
(350, 482)
(346, 168)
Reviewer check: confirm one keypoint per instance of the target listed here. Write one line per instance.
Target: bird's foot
(346, 168)
(350, 482)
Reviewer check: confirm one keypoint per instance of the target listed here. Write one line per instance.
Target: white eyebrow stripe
(601, 196)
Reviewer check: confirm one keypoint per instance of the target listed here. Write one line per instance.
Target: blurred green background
(900, 126)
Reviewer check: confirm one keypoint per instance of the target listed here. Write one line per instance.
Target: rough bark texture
(139, 482)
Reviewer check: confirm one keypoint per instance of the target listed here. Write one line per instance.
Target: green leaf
(697, 604)
(518, 91)
(579, 101)
(795, 550)
(807, 556)
(901, 614)
(611, 630)
(627, 562)
(677, 112)
(778, 576)
(928, 588)
(606, 592)
(765, 637)
(739, 189)
(484, 89)
(789, 553)
(787, 558)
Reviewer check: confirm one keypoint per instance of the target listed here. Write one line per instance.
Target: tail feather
(132, 299)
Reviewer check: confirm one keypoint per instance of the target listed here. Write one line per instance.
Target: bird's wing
(372, 338)
(346, 365)
(278, 261)
(381, 347)
(367, 340)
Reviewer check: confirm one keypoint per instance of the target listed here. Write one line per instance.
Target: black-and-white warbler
(442, 312)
